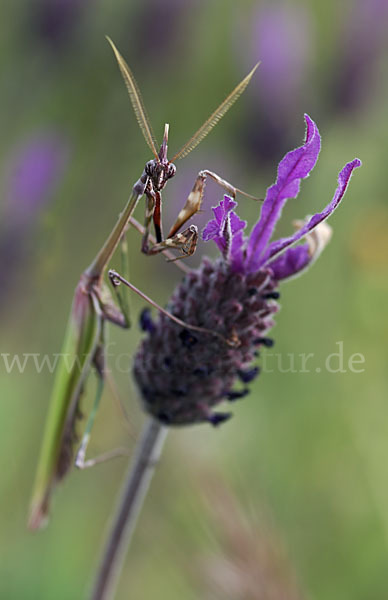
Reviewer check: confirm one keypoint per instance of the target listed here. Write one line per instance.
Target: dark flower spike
(235, 297)
(217, 418)
(237, 394)
(271, 296)
(248, 375)
(145, 321)
(264, 341)
(188, 339)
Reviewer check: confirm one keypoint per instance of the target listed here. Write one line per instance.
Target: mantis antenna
(137, 101)
(214, 117)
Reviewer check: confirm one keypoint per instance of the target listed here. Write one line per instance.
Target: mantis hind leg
(122, 295)
(80, 460)
(122, 318)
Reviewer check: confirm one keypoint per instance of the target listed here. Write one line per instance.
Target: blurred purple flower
(34, 172)
(32, 176)
(282, 40)
(183, 374)
(54, 21)
(363, 39)
(160, 29)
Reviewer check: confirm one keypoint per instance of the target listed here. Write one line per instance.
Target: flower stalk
(134, 491)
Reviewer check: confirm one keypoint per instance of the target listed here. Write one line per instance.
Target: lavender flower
(33, 175)
(31, 179)
(183, 374)
(166, 32)
(55, 21)
(282, 37)
(362, 42)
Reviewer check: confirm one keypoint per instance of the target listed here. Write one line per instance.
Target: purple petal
(290, 262)
(226, 229)
(236, 254)
(343, 180)
(211, 231)
(215, 229)
(294, 167)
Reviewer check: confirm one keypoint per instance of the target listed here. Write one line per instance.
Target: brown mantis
(159, 170)
(93, 306)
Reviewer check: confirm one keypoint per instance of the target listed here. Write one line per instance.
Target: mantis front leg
(167, 253)
(149, 214)
(194, 200)
(186, 241)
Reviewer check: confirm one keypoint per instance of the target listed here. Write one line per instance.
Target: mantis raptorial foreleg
(148, 217)
(167, 253)
(186, 241)
(194, 200)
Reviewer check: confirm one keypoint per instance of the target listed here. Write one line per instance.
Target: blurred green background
(295, 487)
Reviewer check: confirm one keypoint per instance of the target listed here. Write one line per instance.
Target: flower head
(182, 375)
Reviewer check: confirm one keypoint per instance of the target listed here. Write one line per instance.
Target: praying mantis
(93, 304)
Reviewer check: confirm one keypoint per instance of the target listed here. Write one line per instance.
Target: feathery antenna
(136, 99)
(214, 117)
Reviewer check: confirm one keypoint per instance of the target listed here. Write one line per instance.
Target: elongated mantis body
(93, 304)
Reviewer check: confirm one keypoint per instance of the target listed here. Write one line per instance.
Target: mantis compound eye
(149, 168)
(171, 170)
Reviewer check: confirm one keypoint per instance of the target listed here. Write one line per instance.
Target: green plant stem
(97, 267)
(124, 520)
